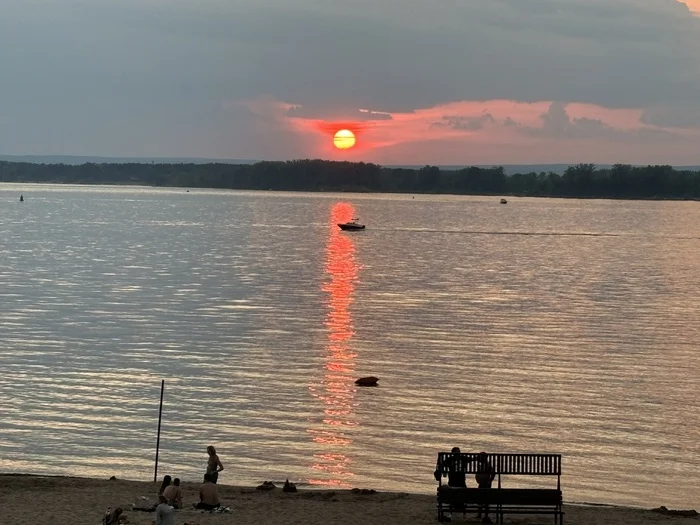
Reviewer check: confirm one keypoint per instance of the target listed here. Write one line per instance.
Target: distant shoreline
(75, 160)
(360, 192)
(579, 181)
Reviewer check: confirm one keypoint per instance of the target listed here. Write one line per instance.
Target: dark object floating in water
(113, 478)
(367, 381)
(352, 225)
(669, 512)
(21, 198)
(266, 485)
(289, 487)
(503, 201)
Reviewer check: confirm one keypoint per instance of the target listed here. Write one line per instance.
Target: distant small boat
(352, 225)
(21, 198)
(367, 381)
(503, 201)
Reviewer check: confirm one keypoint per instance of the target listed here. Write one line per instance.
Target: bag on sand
(111, 516)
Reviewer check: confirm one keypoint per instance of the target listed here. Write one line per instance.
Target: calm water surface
(543, 325)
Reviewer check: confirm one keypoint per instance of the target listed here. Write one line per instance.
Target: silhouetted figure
(21, 198)
(456, 478)
(214, 465)
(484, 478)
(455, 472)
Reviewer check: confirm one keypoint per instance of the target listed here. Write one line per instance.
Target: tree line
(582, 180)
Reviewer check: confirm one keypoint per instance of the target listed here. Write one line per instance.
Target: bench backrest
(531, 464)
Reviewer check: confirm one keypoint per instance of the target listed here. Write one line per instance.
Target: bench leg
(559, 518)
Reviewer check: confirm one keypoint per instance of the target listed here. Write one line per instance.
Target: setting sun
(344, 139)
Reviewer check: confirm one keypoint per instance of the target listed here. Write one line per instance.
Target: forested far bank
(620, 181)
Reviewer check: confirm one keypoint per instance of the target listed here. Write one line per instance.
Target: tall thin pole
(160, 416)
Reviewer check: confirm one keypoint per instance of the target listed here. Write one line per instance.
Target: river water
(543, 325)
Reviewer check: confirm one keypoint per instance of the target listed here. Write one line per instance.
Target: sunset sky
(417, 81)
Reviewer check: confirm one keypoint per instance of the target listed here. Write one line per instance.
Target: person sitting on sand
(173, 494)
(166, 482)
(164, 512)
(214, 465)
(208, 495)
(151, 507)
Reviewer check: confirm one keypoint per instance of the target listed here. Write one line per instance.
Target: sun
(344, 139)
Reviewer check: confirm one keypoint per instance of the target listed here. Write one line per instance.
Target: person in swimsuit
(214, 465)
(166, 482)
(208, 495)
(173, 494)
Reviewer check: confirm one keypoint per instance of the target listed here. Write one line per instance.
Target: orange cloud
(496, 132)
(693, 5)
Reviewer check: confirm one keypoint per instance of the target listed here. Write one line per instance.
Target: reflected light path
(338, 389)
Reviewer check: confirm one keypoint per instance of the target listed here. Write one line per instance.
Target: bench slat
(530, 497)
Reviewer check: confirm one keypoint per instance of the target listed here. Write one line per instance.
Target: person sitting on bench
(456, 478)
(484, 478)
(455, 475)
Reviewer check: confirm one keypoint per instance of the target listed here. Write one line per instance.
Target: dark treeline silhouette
(582, 180)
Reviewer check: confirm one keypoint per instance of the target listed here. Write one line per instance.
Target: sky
(419, 81)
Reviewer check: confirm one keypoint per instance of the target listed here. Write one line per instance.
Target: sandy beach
(35, 500)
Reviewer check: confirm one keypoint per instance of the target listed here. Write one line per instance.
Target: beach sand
(36, 500)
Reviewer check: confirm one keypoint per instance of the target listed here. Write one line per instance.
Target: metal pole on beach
(160, 416)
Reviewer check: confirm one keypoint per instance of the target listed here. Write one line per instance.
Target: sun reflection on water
(337, 390)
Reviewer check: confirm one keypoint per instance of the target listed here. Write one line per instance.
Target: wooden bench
(500, 500)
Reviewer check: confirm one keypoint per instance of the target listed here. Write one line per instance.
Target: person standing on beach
(214, 465)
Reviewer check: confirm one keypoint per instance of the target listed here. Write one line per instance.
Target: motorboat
(503, 201)
(352, 225)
